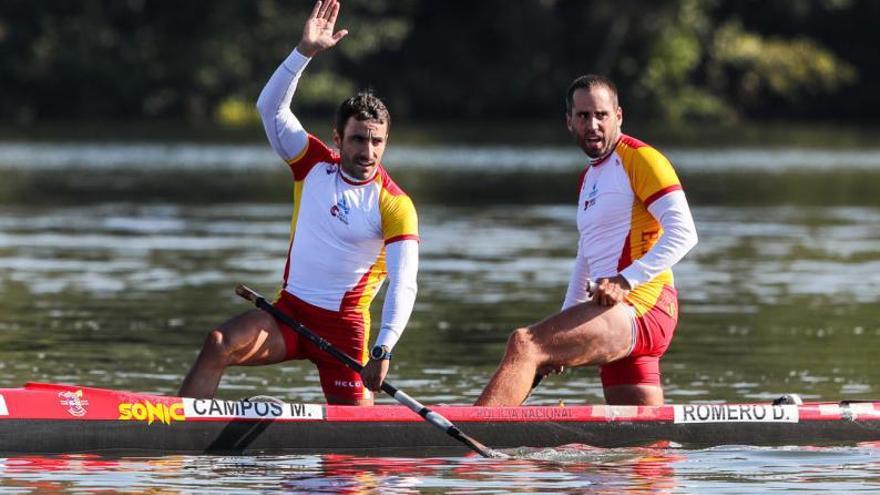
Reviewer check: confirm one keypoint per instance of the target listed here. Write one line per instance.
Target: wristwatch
(380, 352)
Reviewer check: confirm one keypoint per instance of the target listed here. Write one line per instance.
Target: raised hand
(318, 32)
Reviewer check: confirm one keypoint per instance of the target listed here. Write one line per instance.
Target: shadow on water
(848, 187)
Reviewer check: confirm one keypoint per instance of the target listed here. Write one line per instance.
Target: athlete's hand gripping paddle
(430, 416)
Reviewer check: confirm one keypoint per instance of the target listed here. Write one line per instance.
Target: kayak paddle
(430, 416)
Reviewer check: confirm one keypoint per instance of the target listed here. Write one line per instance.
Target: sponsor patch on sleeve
(735, 413)
(243, 409)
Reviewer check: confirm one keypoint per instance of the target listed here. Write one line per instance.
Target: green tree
(706, 67)
(675, 60)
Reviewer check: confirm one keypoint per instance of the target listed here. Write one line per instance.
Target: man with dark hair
(621, 306)
(362, 106)
(352, 226)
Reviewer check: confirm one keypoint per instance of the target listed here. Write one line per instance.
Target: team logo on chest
(591, 197)
(340, 210)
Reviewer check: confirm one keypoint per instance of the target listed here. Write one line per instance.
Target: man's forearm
(284, 131)
(679, 237)
(402, 261)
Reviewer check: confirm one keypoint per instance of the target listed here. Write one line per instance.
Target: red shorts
(345, 331)
(652, 333)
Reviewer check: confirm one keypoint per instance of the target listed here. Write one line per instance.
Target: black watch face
(377, 353)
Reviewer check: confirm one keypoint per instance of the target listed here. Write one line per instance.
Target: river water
(116, 259)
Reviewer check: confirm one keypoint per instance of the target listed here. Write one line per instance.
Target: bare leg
(251, 338)
(586, 334)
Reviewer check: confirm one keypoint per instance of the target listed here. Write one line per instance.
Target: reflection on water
(116, 261)
(575, 469)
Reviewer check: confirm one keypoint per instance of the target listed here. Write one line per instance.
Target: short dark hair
(589, 81)
(362, 106)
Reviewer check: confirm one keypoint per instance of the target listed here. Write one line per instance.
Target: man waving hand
(352, 227)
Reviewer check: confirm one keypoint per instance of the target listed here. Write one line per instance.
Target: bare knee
(216, 348)
(521, 345)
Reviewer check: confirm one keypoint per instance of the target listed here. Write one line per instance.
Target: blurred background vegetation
(678, 63)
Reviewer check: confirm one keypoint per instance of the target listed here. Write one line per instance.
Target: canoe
(43, 418)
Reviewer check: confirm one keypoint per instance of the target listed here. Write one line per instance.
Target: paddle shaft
(430, 416)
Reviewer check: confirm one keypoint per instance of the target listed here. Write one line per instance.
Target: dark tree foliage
(494, 60)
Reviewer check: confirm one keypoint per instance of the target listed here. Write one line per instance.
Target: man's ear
(568, 122)
(337, 139)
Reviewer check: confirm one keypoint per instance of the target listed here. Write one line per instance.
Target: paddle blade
(481, 449)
